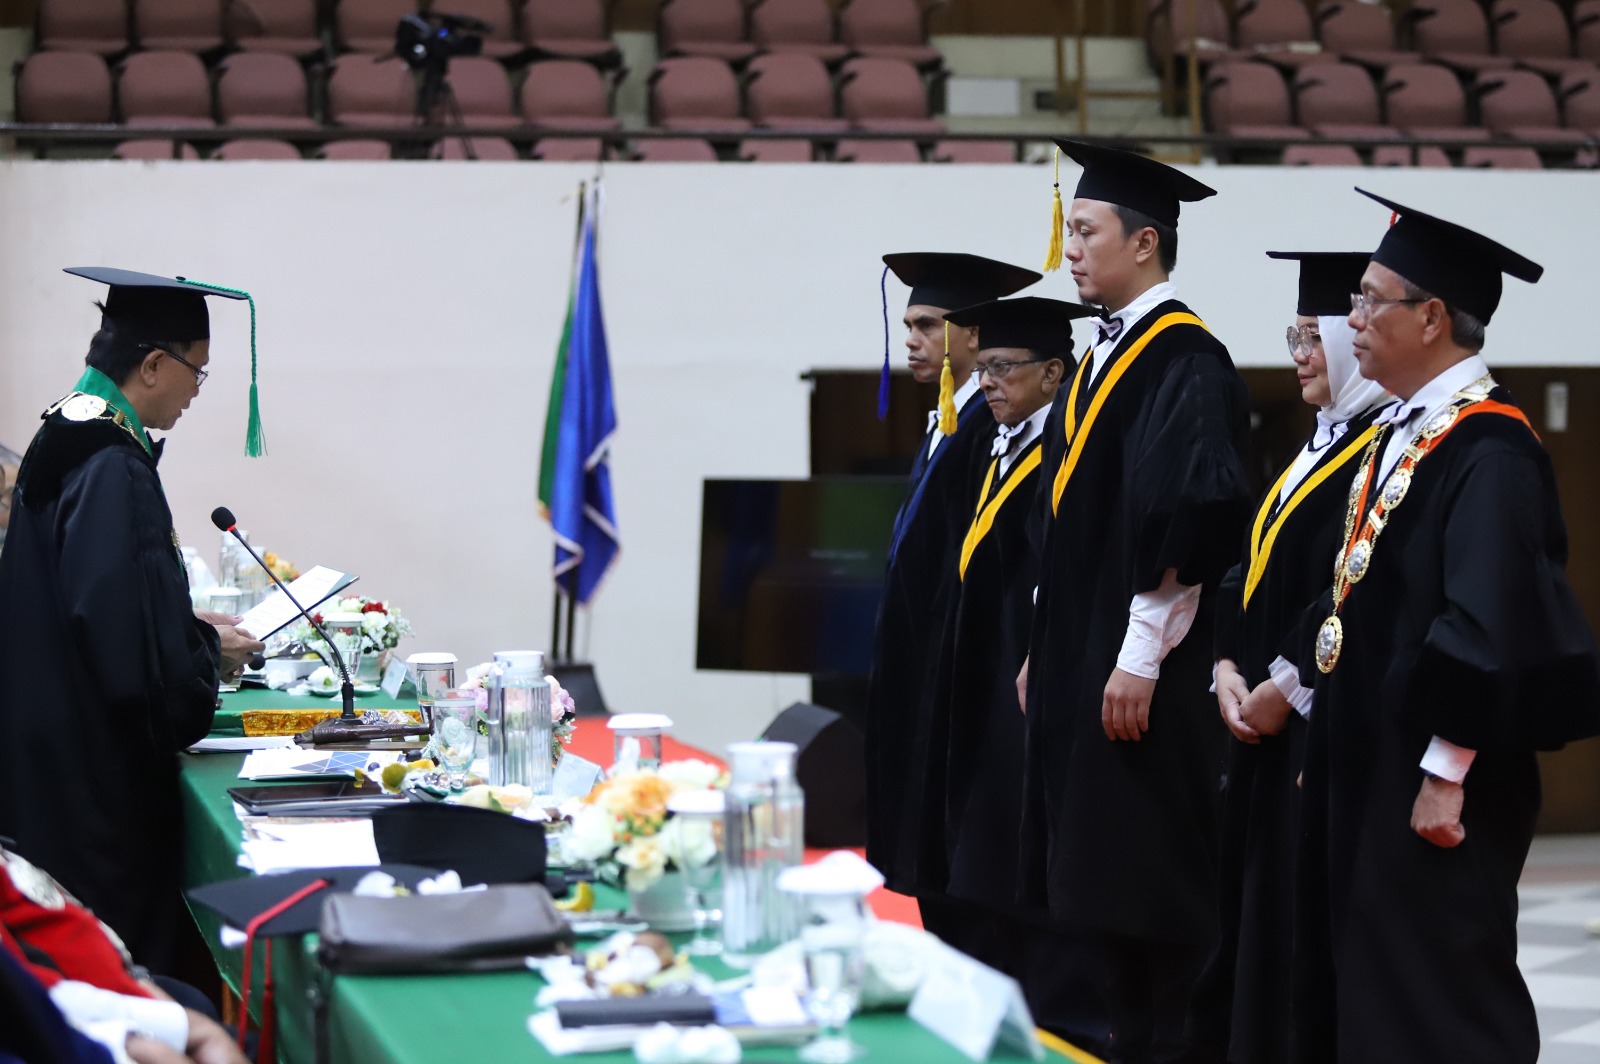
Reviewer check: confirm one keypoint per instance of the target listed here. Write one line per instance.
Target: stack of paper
(280, 846)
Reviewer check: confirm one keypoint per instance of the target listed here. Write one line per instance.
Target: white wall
(409, 315)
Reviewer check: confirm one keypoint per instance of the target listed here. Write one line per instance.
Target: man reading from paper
(108, 670)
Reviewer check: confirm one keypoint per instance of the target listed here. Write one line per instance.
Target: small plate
(362, 690)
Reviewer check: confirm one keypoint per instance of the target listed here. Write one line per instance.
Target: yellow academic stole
(983, 520)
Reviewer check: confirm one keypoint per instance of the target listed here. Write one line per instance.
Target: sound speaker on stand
(831, 769)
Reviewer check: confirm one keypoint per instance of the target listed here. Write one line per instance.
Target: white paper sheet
(218, 744)
(288, 847)
(312, 588)
(296, 762)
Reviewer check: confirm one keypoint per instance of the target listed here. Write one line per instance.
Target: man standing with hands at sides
(1145, 509)
(1450, 649)
(94, 605)
(927, 535)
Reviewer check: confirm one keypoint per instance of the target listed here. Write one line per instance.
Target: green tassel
(255, 440)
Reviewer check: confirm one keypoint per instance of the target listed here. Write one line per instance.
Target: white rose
(645, 861)
(323, 677)
(590, 837)
(692, 774)
(688, 841)
(374, 623)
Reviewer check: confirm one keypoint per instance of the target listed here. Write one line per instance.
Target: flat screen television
(791, 572)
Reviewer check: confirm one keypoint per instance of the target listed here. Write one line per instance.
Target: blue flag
(582, 421)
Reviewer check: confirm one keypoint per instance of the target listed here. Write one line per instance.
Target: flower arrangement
(563, 710)
(382, 626)
(282, 568)
(623, 825)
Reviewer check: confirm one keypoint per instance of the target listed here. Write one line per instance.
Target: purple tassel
(883, 381)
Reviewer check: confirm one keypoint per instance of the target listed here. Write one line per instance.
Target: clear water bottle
(762, 835)
(228, 561)
(519, 722)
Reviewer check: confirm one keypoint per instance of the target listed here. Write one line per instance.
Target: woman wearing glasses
(1242, 1008)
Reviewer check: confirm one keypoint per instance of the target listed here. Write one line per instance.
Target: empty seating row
(1343, 101)
(790, 91)
(1460, 33)
(735, 31)
(1488, 157)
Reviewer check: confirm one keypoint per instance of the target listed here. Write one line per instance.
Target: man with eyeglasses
(1449, 650)
(927, 533)
(109, 670)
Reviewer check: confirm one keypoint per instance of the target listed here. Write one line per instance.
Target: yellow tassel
(1052, 255)
(947, 390)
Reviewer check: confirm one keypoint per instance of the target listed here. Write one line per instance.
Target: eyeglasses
(999, 368)
(200, 375)
(1304, 337)
(1361, 305)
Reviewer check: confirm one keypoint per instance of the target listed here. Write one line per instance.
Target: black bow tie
(1106, 328)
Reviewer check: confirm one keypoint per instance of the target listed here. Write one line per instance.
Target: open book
(313, 588)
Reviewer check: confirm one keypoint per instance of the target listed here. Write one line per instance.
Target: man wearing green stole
(107, 671)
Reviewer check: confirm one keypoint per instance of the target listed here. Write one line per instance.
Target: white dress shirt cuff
(1286, 678)
(1157, 621)
(1141, 656)
(1447, 760)
(84, 1005)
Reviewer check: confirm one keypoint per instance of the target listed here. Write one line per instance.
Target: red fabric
(76, 943)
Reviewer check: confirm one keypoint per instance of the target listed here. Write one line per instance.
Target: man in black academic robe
(111, 672)
(1146, 505)
(1449, 651)
(927, 535)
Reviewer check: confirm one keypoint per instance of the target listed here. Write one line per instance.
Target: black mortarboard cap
(1131, 180)
(238, 901)
(481, 845)
(1032, 323)
(1459, 266)
(154, 307)
(948, 280)
(1327, 279)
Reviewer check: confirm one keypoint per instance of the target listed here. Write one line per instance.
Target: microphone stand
(347, 729)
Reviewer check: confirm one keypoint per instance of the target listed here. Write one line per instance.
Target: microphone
(222, 517)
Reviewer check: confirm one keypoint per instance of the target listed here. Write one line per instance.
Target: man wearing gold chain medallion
(1449, 650)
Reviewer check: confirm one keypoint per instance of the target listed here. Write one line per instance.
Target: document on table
(279, 846)
(313, 588)
(224, 744)
(295, 763)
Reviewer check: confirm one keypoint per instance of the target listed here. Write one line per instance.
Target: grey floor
(1558, 931)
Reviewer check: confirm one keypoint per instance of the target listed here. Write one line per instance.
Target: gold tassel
(1052, 255)
(947, 390)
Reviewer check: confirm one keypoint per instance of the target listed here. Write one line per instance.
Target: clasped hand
(238, 645)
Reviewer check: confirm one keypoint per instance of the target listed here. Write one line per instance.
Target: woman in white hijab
(1241, 1006)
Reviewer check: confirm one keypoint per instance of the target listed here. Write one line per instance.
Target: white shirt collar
(1142, 304)
(1026, 431)
(1436, 393)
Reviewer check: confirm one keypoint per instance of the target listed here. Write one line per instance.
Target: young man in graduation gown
(927, 535)
(1024, 357)
(95, 614)
(1146, 499)
(1450, 649)
(1241, 1008)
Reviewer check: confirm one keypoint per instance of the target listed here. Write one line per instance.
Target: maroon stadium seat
(357, 151)
(565, 94)
(1246, 99)
(1321, 155)
(1580, 101)
(1213, 35)
(368, 25)
(178, 25)
(64, 87)
(1535, 33)
(1340, 100)
(501, 41)
(1586, 29)
(975, 151)
(287, 26)
(99, 26)
(154, 149)
(572, 29)
(1277, 29)
(793, 90)
(258, 151)
(1360, 31)
(695, 92)
(886, 95)
(878, 151)
(484, 149)
(364, 92)
(1455, 32)
(890, 29)
(675, 150)
(805, 26)
(1520, 104)
(798, 150)
(569, 149)
(1427, 100)
(1410, 155)
(263, 89)
(164, 89)
(482, 91)
(712, 28)
(1487, 157)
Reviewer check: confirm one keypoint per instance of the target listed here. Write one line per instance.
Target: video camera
(429, 42)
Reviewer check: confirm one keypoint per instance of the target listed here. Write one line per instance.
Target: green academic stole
(1075, 436)
(1261, 548)
(983, 520)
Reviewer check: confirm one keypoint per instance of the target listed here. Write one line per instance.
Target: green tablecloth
(421, 1018)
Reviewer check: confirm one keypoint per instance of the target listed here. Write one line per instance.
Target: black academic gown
(108, 675)
(917, 585)
(1242, 1005)
(1463, 627)
(1119, 838)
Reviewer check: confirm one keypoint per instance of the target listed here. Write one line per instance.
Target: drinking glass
(345, 629)
(697, 852)
(455, 733)
(637, 741)
(432, 673)
(832, 938)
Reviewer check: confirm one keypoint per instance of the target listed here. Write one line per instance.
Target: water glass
(455, 733)
(696, 849)
(834, 891)
(347, 632)
(637, 741)
(432, 673)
